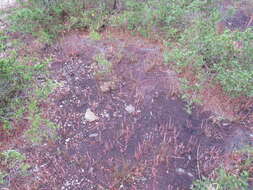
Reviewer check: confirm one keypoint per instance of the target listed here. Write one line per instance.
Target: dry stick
(250, 21)
(115, 5)
(198, 161)
(1, 20)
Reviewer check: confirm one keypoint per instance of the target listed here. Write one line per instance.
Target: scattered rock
(130, 109)
(90, 116)
(108, 86)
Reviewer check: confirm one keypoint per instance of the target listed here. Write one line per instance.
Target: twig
(1, 20)
(198, 161)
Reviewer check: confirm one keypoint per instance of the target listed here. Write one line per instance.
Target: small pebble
(90, 116)
(130, 108)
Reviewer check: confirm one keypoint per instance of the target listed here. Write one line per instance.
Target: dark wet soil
(158, 146)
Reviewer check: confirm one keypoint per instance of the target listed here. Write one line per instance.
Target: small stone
(121, 186)
(180, 171)
(107, 86)
(93, 135)
(226, 124)
(91, 170)
(36, 169)
(90, 116)
(143, 179)
(105, 114)
(130, 108)
(9, 44)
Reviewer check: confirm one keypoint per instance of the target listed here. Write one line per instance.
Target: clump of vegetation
(21, 92)
(236, 177)
(152, 16)
(18, 85)
(217, 57)
(41, 128)
(224, 181)
(95, 35)
(14, 76)
(46, 19)
(104, 66)
(12, 80)
(12, 162)
(24, 83)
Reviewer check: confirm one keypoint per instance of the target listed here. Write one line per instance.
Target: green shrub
(16, 80)
(151, 16)
(163, 18)
(46, 19)
(168, 18)
(17, 84)
(12, 80)
(218, 57)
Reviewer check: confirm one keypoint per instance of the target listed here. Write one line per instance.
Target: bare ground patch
(154, 145)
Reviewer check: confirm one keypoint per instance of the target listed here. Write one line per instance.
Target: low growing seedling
(94, 35)
(41, 128)
(189, 94)
(2, 176)
(104, 67)
(11, 157)
(13, 163)
(45, 89)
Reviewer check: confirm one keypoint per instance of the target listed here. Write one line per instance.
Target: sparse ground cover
(126, 95)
